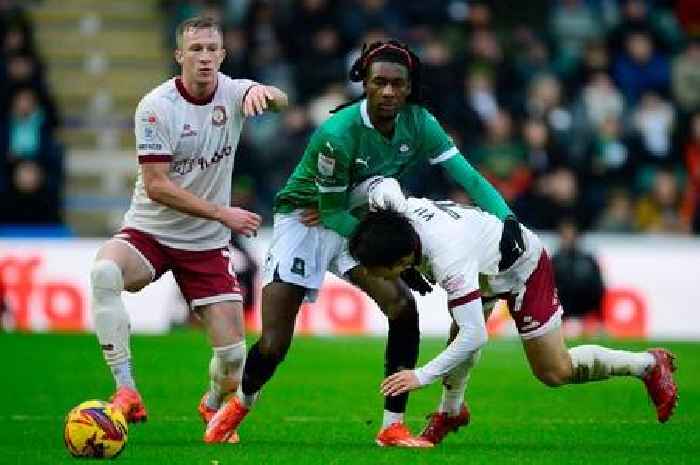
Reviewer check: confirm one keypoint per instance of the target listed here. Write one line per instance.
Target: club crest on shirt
(326, 165)
(218, 116)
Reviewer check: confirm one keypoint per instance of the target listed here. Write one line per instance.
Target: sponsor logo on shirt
(218, 116)
(149, 132)
(149, 147)
(326, 163)
(185, 166)
(148, 118)
(187, 131)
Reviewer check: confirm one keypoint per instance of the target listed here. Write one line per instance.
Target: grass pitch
(323, 407)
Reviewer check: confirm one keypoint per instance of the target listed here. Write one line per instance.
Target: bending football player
(478, 261)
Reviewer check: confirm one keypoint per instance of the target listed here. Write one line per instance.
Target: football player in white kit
(187, 130)
(458, 248)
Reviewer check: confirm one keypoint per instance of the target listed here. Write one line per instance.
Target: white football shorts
(301, 255)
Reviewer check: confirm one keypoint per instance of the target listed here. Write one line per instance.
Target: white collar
(365, 115)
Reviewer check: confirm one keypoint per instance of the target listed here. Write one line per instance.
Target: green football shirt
(346, 149)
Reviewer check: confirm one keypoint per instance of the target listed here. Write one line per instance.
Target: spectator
(33, 163)
(572, 24)
(541, 154)
(545, 101)
(640, 68)
(237, 60)
(612, 163)
(653, 123)
(361, 16)
(321, 64)
(659, 210)
(691, 158)
(686, 77)
(468, 115)
(598, 101)
(596, 61)
(579, 283)
(552, 198)
(618, 215)
(502, 160)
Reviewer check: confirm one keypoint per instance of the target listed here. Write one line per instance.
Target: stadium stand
(582, 108)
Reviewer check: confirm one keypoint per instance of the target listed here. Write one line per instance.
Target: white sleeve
(464, 302)
(470, 337)
(238, 88)
(153, 141)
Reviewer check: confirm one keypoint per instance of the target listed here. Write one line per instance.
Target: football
(95, 429)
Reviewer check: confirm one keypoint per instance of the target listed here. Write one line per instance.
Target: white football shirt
(198, 137)
(461, 243)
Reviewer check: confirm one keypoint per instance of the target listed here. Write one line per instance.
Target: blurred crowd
(31, 159)
(574, 109)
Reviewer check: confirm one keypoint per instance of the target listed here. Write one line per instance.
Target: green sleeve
(436, 145)
(478, 188)
(332, 181)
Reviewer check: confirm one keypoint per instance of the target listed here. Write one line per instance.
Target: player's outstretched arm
(261, 98)
(161, 189)
(470, 337)
(477, 187)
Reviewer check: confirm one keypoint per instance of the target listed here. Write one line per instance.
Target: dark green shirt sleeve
(477, 187)
(436, 145)
(332, 181)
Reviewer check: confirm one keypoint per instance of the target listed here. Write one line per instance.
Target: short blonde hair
(198, 22)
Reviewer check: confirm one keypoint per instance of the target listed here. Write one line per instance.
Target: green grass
(323, 407)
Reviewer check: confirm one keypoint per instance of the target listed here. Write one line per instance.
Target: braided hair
(392, 51)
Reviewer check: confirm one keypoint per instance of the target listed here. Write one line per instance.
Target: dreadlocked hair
(392, 51)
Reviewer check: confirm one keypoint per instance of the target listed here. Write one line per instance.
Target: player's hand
(400, 382)
(240, 221)
(310, 217)
(256, 100)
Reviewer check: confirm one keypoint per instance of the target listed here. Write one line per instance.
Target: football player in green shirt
(383, 133)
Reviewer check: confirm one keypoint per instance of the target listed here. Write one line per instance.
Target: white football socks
(594, 363)
(111, 319)
(390, 418)
(225, 370)
(454, 384)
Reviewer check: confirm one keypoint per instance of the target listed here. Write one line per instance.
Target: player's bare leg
(280, 305)
(396, 301)
(555, 365)
(224, 325)
(117, 268)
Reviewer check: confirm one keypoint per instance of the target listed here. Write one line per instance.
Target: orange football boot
(222, 426)
(398, 435)
(129, 401)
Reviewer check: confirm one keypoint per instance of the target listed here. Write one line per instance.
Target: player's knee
(226, 366)
(106, 274)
